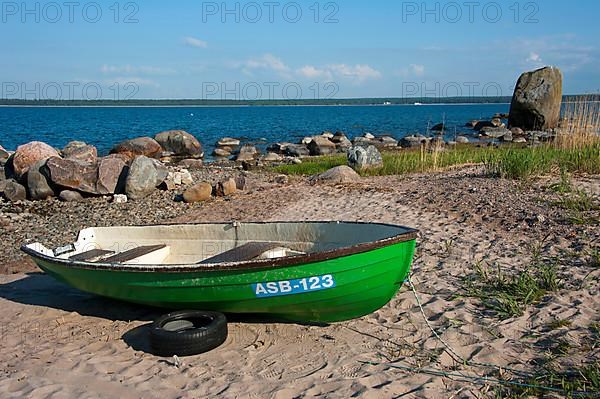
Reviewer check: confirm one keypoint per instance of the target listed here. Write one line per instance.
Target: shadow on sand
(39, 289)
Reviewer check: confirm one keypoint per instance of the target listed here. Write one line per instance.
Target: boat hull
(348, 287)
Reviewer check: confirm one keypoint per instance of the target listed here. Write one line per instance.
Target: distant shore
(412, 101)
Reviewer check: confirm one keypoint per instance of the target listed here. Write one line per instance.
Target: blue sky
(308, 49)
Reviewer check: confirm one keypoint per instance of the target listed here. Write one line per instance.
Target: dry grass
(580, 125)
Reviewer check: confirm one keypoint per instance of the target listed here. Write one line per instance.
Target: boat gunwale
(263, 264)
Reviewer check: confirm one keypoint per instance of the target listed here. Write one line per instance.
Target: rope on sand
(458, 358)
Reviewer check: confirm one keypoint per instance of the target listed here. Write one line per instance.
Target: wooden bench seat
(90, 255)
(242, 253)
(132, 254)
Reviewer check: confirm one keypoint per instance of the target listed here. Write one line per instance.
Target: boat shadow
(39, 289)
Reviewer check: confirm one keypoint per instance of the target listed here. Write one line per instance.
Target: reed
(580, 124)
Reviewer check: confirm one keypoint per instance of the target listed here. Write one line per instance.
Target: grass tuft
(508, 295)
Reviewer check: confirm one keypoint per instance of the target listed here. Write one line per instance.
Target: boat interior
(214, 243)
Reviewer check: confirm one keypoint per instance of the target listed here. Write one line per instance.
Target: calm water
(104, 127)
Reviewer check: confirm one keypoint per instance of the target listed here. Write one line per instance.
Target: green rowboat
(297, 271)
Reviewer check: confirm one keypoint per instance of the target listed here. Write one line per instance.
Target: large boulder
(339, 174)
(73, 174)
(363, 158)
(297, 150)
(84, 153)
(198, 192)
(14, 191)
(144, 176)
(247, 153)
(226, 188)
(228, 142)
(28, 154)
(38, 182)
(414, 141)
(145, 146)
(537, 100)
(320, 145)
(3, 154)
(112, 175)
(70, 196)
(180, 143)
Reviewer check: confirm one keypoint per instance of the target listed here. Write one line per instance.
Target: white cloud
(311, 72)
(129, 69)
(193, 42)
(417, 70)
(358, 72)
(534, 57)
(411, 71)
(130, 80)
(267, 62)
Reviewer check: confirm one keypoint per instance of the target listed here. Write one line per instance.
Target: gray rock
(70, 196)
(363, 158)
(519, 140)
(438, 128)
(3, 155)
(462, 140)
(38, 183)
(508, 137)
(192, 164)
(482, 125)
(240, 183)
(278, 148)
(144, 176)
(180, 143)
(14, 192)
(495, 132)
(497, 122)
(228, 142)
(369, 136)
(272, 157)
(537, 100)
(120, 199)
(320, 145)
(362, 141)
(297, 150)
(339, 174)
(414, 141)
(247, 153)
(327, 135)
(221, 153)
(517, 131)
(386, 142)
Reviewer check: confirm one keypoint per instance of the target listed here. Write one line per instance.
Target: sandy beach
(57, 342)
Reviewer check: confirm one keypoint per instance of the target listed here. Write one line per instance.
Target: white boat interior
(214, 243)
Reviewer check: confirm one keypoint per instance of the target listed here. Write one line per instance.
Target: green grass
(580, 383)
(508, 295)
(507, 161)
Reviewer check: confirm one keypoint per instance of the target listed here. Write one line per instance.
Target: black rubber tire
(187, 333)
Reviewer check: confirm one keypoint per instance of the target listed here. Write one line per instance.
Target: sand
(59, 343)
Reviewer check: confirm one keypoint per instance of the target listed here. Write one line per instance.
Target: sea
(104, 127)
